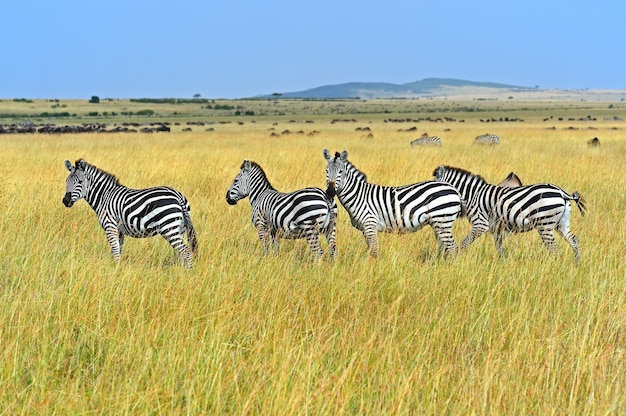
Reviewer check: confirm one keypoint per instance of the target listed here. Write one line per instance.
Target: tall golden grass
(240, 333)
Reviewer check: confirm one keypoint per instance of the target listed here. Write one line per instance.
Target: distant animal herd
(487, 139)
(452, 193)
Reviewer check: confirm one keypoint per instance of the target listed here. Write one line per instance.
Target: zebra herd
(487, 139)
(508, 207)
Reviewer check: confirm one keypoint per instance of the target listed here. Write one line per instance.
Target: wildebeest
(595, 142)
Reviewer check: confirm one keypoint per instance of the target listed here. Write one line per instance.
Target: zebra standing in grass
(501, 210)
(426, 140)
(402, 209)
(134, 212)
(487, 139)
(304, 213)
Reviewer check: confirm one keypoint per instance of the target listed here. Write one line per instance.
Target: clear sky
(241, 48)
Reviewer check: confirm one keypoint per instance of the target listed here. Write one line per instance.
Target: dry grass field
(240, 333)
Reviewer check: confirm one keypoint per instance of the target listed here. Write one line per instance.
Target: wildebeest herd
(452, 193)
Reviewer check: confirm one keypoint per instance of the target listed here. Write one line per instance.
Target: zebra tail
(580, 201)
(191, 234)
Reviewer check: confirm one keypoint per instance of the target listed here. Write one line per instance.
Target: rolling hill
(448, 88)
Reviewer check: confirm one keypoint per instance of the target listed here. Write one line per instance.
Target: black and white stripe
(487, 139)
(402, 209)
(427, 140)
(501, 210)
(305, 213)
(130, 212)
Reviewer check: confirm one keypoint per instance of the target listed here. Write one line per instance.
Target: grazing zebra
(501, 210)
(304, 213)
(487, 139)
(426, 140)
(133, 212)
(402, 209)
(511, 181)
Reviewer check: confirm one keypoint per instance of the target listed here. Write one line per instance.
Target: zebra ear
(69, 166)
(246, 165)
(81, 164)
(344, 155)
(326, 154)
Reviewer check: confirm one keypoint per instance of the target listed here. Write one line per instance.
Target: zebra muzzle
(229, 200)
(331, 191)
(67, 200)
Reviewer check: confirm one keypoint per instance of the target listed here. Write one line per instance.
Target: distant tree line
(45, 114)
(170, 100)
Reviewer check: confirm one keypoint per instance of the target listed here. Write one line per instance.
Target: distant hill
(429, 87)
(455, 89)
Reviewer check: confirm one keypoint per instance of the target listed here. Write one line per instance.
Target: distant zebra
(426, 140)
(133, 212)
(304, 213)
(402, 209)
(511, 181)
(487, 139)
(502, 210)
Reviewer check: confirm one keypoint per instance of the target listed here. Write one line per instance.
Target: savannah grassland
(240, 333)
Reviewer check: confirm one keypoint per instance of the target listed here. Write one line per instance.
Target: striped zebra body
(401, 209)
(130, 212)
(305, 213)
(487, 139)
(426, 140)
(501, 210)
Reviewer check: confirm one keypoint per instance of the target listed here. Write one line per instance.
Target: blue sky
(240, 48)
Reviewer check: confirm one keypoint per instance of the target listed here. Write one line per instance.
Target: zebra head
(75, 187)
(241, 185)
(335, 171)
(440, 173)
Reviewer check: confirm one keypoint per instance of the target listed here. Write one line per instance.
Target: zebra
(426, 140)
(130, 212)
(511, 181)
(305, 213)
(487, 139)
(501, 210)
(402, 209)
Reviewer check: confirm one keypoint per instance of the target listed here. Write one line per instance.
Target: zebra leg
(264, 237)
(174, 236)
(313, 238)
(275, 241)
(548, 239)
(573, 242)
(477, 230)
(113, 237)
(563, 229)
(498, 238)
(371, 238)
(331, 237)
(184, 252)
(443, 233)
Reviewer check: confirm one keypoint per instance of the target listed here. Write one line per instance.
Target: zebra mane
(100, 171)
(349, 164)
(262, 172)
(464, 173)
